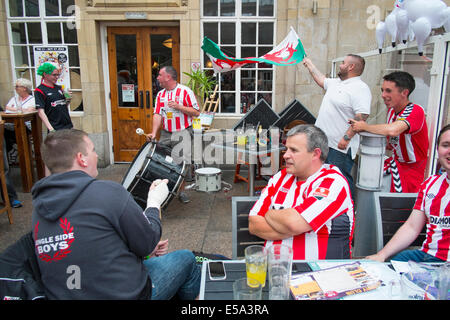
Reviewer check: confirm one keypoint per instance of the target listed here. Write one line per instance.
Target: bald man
(345, 95)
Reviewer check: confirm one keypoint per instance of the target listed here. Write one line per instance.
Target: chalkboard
(262, 114)
(294, 111)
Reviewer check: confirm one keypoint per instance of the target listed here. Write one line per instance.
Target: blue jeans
(344, 162)
(416, 256)
(175, 273)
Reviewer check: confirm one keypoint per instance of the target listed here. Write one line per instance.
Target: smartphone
(216, 270)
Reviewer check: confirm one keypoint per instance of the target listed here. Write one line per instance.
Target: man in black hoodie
(91, 237)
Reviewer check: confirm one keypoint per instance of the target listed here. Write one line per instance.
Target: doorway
(136, 54)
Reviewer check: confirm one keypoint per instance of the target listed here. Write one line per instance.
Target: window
(241, 28)
(41, 23)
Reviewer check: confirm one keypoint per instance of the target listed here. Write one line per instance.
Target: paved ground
(204, 224)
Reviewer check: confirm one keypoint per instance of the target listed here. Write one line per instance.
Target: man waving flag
(289, 52)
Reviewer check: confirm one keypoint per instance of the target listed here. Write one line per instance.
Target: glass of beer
(256, 264)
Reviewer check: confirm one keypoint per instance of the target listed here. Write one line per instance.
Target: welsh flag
(289, 52)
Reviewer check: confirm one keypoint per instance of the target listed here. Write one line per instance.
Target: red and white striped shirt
(433, 199)
(412, 145)
(175, 120)
(324, 201)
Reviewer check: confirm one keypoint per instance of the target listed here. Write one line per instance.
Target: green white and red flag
(289, 52)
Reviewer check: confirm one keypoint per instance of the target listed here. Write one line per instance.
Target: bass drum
(153, 162)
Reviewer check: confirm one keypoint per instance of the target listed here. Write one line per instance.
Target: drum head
(136, 165)
(151, 163)
(207, 171)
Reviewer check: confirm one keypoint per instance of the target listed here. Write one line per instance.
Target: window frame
(42, 19)
(238, 19)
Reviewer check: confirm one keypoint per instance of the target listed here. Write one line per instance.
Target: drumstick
(140, 132)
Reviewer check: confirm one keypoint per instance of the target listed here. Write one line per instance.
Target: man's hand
(343, 144)
(158, 193)
(375, 257)
(357, 126)
(174, 105)
(150, 137)
(161, 248)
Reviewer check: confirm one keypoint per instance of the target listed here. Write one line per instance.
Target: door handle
(147, 95)
(141, 99)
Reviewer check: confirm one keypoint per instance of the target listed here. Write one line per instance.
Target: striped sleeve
(265, 200)
(326, 200)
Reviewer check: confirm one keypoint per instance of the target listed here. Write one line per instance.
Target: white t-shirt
(342, 101)
(27, 105)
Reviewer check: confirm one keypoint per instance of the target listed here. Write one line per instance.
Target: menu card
(333, 283)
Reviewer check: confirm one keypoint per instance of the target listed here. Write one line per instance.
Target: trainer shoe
(183, 197)
(16, 204)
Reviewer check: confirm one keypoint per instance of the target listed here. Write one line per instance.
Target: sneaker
(16, 204)
(183, 197)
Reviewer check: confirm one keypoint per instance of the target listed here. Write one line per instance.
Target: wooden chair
(6, 203)
(392, 210)
(241, 237)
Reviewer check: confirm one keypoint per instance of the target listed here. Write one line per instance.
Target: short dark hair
(360, 63)
(445, 128)
(60, 148)
(403, 80)
(172, 72)
(315, 138)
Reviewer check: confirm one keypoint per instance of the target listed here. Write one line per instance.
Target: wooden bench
(392, 210)
(241, 237)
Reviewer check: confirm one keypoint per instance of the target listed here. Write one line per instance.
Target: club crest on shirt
(321, 193)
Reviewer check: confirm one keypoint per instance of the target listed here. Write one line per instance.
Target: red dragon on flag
(289, 52)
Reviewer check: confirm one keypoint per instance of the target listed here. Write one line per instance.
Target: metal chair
(6, 203)
(392, 210)
(241, 236)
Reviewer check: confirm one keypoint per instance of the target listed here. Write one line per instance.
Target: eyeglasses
(56, 74)
(17, 86)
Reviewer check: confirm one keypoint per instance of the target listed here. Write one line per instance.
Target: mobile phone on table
(216, 270)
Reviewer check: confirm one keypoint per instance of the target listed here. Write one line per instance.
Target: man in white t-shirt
(346, 95)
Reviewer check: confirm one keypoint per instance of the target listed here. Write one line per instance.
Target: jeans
(416, 256)
(175, 273)
(344, 162)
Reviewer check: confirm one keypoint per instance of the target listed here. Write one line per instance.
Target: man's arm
(318, 77)
(258, 226)
(404, 236)
(350, 133)
(44, 119)
(393, 129)
(186, 110)
(287, 221)
(157, 120)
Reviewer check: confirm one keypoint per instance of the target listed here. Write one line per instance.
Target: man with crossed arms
(307, 205)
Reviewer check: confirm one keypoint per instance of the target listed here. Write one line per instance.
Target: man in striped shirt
(432, 209)
(175, 108)
(407, 133)
(307, 205)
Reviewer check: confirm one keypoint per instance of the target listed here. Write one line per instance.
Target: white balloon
(422, 29)
(380, 33)
(391, 27)
(402, 20)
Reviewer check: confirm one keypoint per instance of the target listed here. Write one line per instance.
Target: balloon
(391, 27)
(414, 18)
(380, 32)
(402, 24)
(422, 29)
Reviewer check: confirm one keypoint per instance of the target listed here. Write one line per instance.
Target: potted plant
(201, 84)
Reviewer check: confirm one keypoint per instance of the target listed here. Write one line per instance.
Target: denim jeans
(175, 273)
(416, 256)
(344, 162)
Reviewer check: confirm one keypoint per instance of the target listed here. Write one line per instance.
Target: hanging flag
(289, 52)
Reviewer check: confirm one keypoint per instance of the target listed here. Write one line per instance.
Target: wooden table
(23, 145)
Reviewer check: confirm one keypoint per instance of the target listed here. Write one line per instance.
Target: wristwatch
(347, 138)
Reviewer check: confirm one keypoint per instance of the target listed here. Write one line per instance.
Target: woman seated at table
(23, 101)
